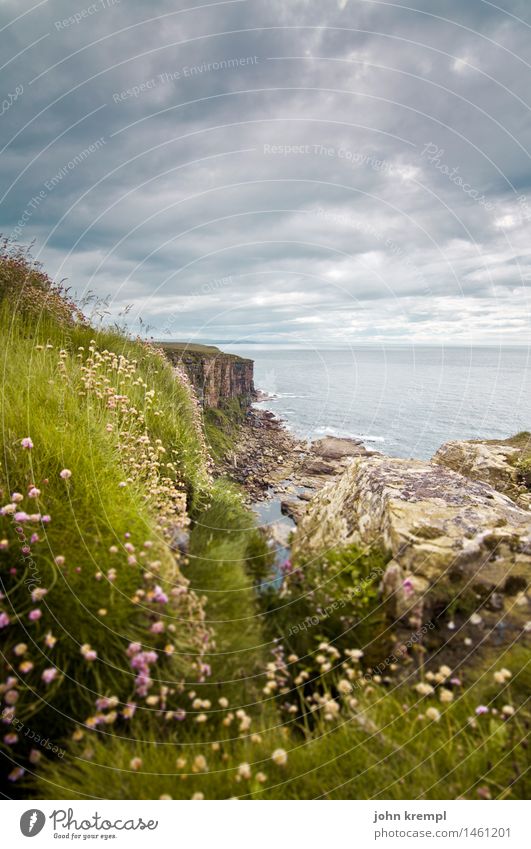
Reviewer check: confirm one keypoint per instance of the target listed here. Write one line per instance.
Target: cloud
(357, 169)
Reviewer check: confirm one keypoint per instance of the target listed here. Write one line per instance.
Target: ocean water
(402, 401)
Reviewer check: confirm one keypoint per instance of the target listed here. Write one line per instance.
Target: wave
(334, 431)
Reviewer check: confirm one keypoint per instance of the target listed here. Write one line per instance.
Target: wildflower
(135, 763)
(481, 709)
(38, 594)
(20, 649)
(344, 687)
(408, 586)
(198, 796)
(34, 615)
(433, 714)
(280, 757)
(244, 771)
(11, 697)
(445, 695)
(200, 764)
(165, 796)
(34, 492)
(49, 675)
(59, 560)
(65, 474)
(476, 619)
(34, 756)
(261, 777)
(11, 738)
(16, 773)
(50, 640)
(180, 763)
(484, 793)
(88, 652)
(202, 717)
(507, 710)
(502, 675)
(27, 443)
(4, 620)
(26, 667)
(445, 670)
(17, 497)
(424, 689)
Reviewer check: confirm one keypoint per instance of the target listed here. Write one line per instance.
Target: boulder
(294, 508)
(491, 462)
(335, 448)
(441, 531)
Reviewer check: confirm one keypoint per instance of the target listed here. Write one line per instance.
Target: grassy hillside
(138, 658)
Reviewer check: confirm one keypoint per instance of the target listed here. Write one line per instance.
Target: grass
(155, 663)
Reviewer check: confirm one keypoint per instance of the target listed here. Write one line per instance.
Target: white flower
(424, 689)
(344, 686)
(244, 770)
(507, 710)
(433, 714)
(446, 695)
(280, 757)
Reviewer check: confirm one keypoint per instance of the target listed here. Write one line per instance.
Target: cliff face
(217, 377)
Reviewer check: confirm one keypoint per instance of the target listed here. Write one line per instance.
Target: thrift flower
(65, 474)
(135, 763)
(27, 443)
(481, 709)
(20, 649)
(4, 620)
(34, 615)
(507, 710)
(244, 771)
(280, 757)
(433, 714)
(49, 675)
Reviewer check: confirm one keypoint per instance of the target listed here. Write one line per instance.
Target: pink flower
(27, 443)
(34, 492)
(34, 615)
(4, 620)
(481, 709)
(49, 675)
(16, 773)
(65, 474)
(157, 628)
(408, 587)
(38, 593)
(10, 739)
(21, 516)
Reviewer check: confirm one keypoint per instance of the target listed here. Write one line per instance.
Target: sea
(401, 401)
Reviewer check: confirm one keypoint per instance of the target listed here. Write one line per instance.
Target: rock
(295, 509)
(442, 531)
(491, 462)
(318, 467)
(335, 448)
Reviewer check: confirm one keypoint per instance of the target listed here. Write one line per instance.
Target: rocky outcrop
(443, 533)
(495, 463)
(217, 377)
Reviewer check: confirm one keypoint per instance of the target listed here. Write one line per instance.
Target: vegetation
(139, 659)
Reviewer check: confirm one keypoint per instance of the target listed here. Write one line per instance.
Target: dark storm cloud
(280, 171)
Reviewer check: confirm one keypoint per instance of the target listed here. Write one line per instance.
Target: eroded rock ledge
(444, 534)
(495, 463)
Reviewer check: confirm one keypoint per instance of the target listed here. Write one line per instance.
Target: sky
(290, 172)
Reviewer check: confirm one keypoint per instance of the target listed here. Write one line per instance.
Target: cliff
(216, 376)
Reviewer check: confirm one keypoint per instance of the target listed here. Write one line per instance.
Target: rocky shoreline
(457, 526)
